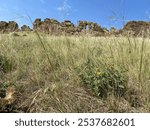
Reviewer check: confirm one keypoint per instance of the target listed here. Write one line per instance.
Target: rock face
(67, 27)
(3, 26)
(91, 28)
(137, 28)
(46, 26)
(54, 27)
(25, 28)
(11, 26)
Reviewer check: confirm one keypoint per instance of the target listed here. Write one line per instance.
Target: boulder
(137, 28)
(36, 23)
(11, 26)
(25, 28)
(46, 26)
(3, 26)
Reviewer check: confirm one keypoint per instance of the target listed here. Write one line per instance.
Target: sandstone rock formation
(25, 28)
(137, 28)
(67, 27)
(10, 26)
(90, 27)
(54, 27)
(3, 26)
(46, 26)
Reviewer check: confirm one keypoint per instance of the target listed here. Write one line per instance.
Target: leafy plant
(108, 80)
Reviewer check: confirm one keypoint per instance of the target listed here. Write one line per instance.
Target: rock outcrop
(25, 28)
(47, 26)
(10, 26)
(136, 28)
(54, 27)
(3, 26)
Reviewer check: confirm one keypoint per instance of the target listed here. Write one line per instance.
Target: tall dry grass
(48, 80)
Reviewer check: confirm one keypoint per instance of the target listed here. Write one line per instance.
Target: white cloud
(65, 8)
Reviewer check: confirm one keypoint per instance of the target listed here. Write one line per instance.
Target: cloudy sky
(105, 12)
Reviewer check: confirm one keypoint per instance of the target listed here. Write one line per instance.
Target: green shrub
(108, 80)
(5, 64)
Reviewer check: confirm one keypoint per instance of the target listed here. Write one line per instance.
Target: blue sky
(107, 13)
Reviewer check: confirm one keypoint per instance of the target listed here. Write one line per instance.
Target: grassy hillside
(76, 74)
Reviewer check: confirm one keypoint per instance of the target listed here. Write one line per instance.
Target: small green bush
(108, 80)
(5, 64)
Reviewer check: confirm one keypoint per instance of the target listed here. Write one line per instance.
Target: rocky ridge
(54, 27)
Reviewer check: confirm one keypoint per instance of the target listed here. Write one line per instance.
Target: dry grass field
(75, 74)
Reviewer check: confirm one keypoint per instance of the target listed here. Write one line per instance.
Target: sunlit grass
(49, 78)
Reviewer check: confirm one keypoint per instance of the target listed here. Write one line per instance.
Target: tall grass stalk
(141, 63)
(42, 44)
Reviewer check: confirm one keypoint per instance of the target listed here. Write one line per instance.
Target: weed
(106, 81)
